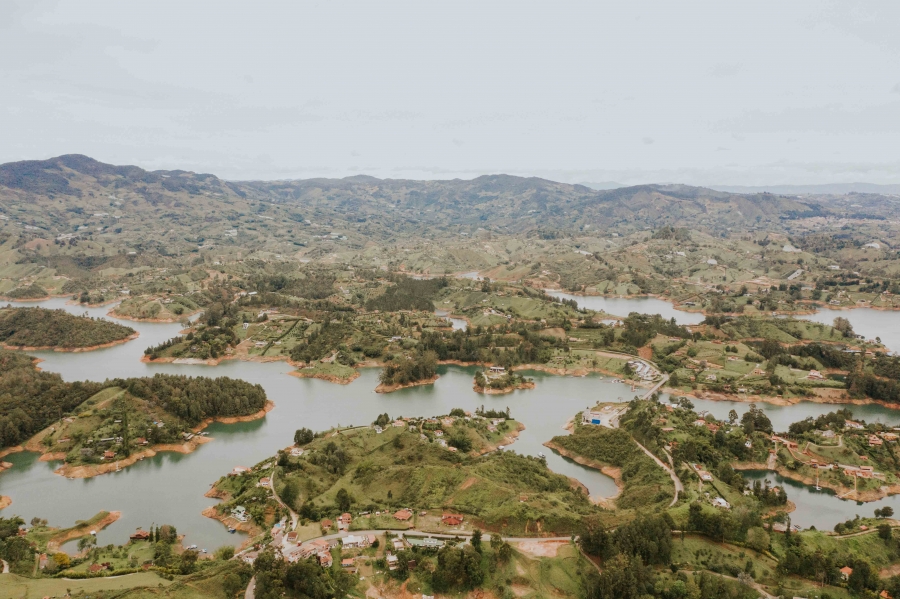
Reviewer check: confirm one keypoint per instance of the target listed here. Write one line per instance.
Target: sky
(749, 93)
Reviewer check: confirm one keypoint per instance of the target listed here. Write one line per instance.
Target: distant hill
(117, 212)
(821, 189)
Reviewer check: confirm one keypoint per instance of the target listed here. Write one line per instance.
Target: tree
(732, 416)
(476, 539)
(303, 436)
(290, 492)
(232, 584)
(343, 500)
(188, 561)
(758, 539)
(884, 531)
(843, 326)
(225, 553)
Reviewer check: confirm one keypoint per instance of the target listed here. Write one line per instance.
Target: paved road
(435, 535)
(679, 487)
(250, 593)
(294, 516)
(662, 381)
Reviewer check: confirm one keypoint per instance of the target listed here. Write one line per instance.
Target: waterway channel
(169, 488)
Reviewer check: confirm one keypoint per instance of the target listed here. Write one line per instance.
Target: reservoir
(169, 487)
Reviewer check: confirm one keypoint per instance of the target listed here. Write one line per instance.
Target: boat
(541, 454)
(501, 447)
(232, 530)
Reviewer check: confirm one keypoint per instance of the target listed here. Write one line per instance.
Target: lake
(169, 487)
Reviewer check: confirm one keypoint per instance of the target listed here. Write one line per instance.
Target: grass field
(18, 587)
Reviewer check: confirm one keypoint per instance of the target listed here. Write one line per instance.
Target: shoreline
(113, 314)
(28, 348)
(81, 471)
(325, 377)
(508, 439)
(819, 305)
(80, 530)
(382, 388)
(841, 492)
(92, 470)
(5, 501)
(489, 391)
(248, 527)
(613, 472)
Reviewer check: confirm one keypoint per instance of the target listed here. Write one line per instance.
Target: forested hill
(39, 327)
(30, 400)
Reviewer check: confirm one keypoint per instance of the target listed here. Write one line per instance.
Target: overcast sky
(737, 93)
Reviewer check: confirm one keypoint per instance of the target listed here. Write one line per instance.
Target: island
(101, 427)
(39, 328)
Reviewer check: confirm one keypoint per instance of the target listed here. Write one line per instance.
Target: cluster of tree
(333, 458)
(491, 413)
(322, 341)
(208, 342)
(313, 284)
(408, 294)
(305, 579)
(31, 399)
(638, 329)
(754, 420)
(15, 550)
(303, 436)
(832, 420)
(39, 327)
(194, 398)
(813, 563)
(865, 384)
(648, 537)
(402, 370)
(887, 366)
(505, 346)
(507, 380)
(33, 291)
(769, 495)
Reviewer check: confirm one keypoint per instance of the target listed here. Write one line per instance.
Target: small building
(853, 424)
(265, 482)
(326, 524)
(355, 541)
(324, 558)
(815, 375)
(292, 537)
(403, 515)
(719, 502)
(451, 519)
(109, 455)
(238, 470)
(846, 571)
(347, 562)
(239, 513)
(140, 535)
(875, 441)
(392, 562)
